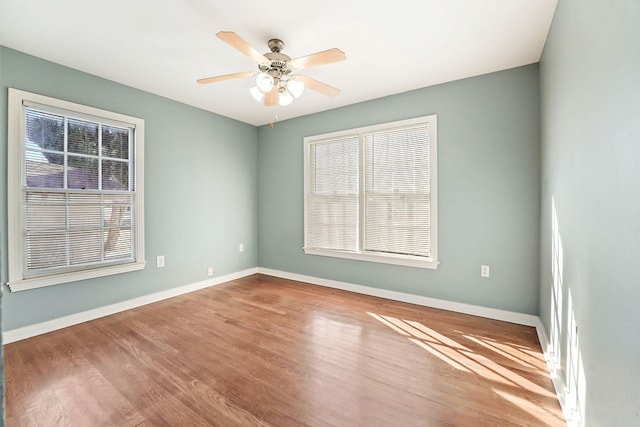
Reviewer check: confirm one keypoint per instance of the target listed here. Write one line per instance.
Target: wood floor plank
(264, 351)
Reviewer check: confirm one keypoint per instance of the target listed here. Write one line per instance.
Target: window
(370, 193)
(75, 192)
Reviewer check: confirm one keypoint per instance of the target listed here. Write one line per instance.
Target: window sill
(407, 261)
(56, 279)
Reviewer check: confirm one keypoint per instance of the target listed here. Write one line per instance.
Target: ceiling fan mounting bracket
(275, 45)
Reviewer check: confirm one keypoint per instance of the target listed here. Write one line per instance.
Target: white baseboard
(74, 319)
(558, 383)
(490, 313)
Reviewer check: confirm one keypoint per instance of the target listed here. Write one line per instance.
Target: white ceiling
(163, 46)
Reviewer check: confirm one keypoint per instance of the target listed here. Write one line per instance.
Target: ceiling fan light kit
(276, 80)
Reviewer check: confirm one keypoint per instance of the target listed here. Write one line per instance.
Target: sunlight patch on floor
(464, 359)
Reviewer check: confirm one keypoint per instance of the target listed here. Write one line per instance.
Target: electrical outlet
(485, 271)
(241, 247)
(160, 261)
(210, 272)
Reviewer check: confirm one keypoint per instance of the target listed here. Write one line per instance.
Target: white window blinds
(370, 193)
(397, 191)
(332, 209)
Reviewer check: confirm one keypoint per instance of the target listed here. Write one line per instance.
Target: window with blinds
(76, 193)
(332, 200)
(370, 193)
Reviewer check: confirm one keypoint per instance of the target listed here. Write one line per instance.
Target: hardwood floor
(272, 352)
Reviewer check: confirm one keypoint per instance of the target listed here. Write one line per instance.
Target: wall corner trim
(84, 316)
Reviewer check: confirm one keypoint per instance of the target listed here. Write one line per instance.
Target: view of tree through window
(47, 132)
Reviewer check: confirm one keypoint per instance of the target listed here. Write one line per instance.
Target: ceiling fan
(277, 81)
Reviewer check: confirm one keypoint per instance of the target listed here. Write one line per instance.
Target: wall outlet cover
(485, 271)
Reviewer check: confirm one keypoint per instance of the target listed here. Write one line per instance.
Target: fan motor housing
(277, 66)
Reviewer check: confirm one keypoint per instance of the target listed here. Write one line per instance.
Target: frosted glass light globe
(264, 82)
(285, 98)
(296, 87)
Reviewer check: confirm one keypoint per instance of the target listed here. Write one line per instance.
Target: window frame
(430, 262)
(16, 177)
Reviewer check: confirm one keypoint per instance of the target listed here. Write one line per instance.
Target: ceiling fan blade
(225, 77)
(238, 43)
(271, 97)
(320, 87)
(318, 58)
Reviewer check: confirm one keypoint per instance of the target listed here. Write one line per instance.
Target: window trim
(430, 262)
(15, 171)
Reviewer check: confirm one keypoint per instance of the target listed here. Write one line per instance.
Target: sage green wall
(488, 191)
(200, 191)
(590, 132)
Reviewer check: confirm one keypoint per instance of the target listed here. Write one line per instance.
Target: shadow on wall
(565, 366)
